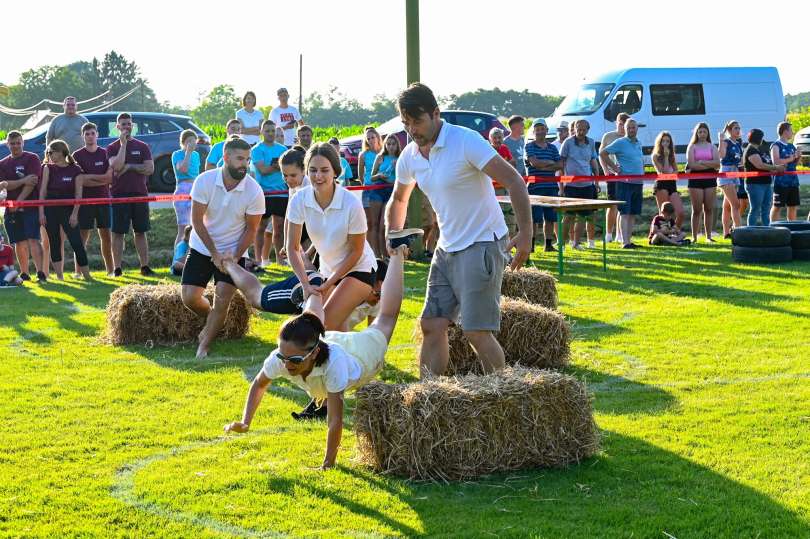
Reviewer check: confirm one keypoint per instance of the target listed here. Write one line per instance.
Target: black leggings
(57, 217)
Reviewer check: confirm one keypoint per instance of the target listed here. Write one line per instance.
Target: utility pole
(412, 63)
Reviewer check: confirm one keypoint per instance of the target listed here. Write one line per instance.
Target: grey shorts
(465, 286)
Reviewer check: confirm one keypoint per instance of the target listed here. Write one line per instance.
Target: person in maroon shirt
(59, 182)
(131, 163)
(21, 171)
(94, 182)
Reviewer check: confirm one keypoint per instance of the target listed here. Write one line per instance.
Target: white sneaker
(591, 244)
(608, 237)
(265, 264)
(578, 247)
(283, 263)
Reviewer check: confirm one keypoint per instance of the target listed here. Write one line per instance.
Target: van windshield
(586, 100)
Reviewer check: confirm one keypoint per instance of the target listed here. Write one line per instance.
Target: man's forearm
(205, 237)
(247, 239)
(395, 215)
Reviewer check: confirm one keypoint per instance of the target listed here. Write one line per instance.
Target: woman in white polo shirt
(336, 225)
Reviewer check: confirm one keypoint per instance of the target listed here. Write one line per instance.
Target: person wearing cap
(287, 117)
(543, 161)
(562, 133)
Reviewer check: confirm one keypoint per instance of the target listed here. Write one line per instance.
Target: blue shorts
(380, 195)
(542, 214)
(631, 194)
(276, 297)
(728, 181)
(22, 225)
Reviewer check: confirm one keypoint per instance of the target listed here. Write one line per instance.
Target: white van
(675, 99)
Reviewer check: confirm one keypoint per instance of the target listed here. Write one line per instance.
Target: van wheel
(162, 179)
(800, 239)
(792, 225)
(761, 255)
(801, 254)
(760, 236)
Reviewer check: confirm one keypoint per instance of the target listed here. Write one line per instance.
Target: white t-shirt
(341, 372)
(329, 229)
(282, 116)
(361, 314)
(460, 193)
(250, 119)
(225, 217)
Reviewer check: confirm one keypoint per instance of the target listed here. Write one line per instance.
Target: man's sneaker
(405, 237)
(630, 246)
(297, 295)
(41, 277)
(25, 277)
(549, 248)
(312, 411)
(146, 271)
(118, 272)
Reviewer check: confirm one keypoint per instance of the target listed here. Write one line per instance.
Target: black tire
(801, 254)
(162, 179)
(800, 239)
(760, 236)
(792, 225)
(761, 255)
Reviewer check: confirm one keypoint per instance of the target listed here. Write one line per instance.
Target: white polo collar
(337, 199)
(221, 182)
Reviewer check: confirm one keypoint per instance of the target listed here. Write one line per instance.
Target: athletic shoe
(146, 271)
(265, 264)
(297, 295)
(608, 237)
(41, 277)
(549, 248)
(591, 244)
(630, 246)
(25, 277)
(118, 272)
(311, 412)
(578, 247)
(405, 237)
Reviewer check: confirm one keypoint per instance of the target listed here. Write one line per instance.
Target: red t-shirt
(17, 168)
(504, 152)
(666, 225)
(130, 183)
(62, 180)
(6, 256)
(93, 163)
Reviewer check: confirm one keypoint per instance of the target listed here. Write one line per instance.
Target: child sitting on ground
(663, 230)
(8, 275)
(180, 253)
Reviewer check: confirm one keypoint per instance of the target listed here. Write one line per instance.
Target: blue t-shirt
(180, 252)
(389, 168)
(215, 155)
(345, 171)
(549, 153)
(268, 154)
(629, 156)
(193, 165)
(786, 150)
(368, 158)
(734, 151)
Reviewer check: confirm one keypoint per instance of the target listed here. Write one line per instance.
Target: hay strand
(461, 428)
(140, 314)
(531, 335)
(531, 285)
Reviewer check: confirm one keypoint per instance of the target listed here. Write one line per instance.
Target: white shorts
(368, 346)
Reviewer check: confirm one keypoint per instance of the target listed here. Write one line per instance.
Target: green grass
(698, 366)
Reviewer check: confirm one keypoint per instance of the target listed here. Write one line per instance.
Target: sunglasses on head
(297, 359)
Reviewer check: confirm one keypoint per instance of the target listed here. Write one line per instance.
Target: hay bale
(143, 314)
(463, 428)
(531, 285)
(530, 335)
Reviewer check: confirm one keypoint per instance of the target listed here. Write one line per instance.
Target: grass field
(698, 367)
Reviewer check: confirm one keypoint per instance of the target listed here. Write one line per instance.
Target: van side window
(677, 99)
(628, 99)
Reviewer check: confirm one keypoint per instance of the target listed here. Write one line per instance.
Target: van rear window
(677, 99)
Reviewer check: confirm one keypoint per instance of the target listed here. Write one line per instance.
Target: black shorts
(702, 184)
(95, 215)
(200, 268)
(585, 191)
(368, 277)
(786, 196)
(275, 206)
(741, 192)
(136, 213)
(670, 186)
(611, 190)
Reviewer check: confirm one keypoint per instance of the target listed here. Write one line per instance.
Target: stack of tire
(761, 245)
(799, 237)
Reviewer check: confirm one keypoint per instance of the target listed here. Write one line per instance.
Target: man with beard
(227, 207)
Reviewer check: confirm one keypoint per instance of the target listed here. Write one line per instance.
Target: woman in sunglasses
(326, 364)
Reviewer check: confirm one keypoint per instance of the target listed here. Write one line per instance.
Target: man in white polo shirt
(454, 167)
(227, 207)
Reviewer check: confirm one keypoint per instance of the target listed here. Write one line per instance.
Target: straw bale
(461, 428)
(531, 335)
(531, 285)
(143, 314)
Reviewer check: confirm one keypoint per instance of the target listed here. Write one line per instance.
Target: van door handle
(641, 125)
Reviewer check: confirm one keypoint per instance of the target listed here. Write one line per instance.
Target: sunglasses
(298, 359)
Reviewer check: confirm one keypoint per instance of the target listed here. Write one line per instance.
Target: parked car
(477, 121)
(161, 132)
(675, 100)
(802, 142)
